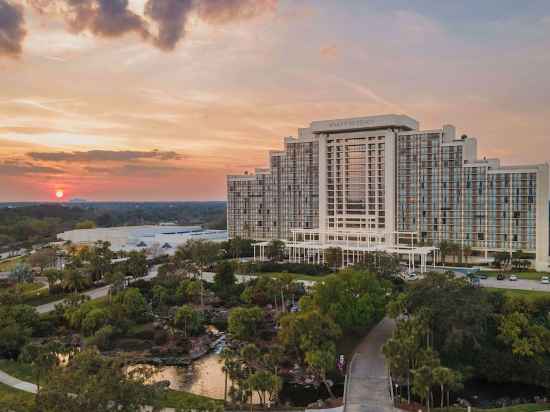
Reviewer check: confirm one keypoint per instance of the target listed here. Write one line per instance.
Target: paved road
(95, 293)
(368, 388)
(520, 284)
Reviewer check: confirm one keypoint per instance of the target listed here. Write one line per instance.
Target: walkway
(17, 383)
(95, 293)
(368, 389)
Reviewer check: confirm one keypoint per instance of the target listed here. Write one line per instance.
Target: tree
(423, 381)
(443, 377)
(17, 323)
(161, 296)
(266, 384)
(467, 251)
(99, 260)
(225, 280)
(190, 290)
(321, 361)
(188, 319)
(42, 358)
(200, 253)
(21, 273)
(354, 299)
(55, 277)
(136, 265)
(238, 247)
(526, 338)
(382, 264)
(275, 250)
(74, 280)
(133, 305)
(445, 249)
(260, 291)
(43, 258)
(306, 331)
(454, 250)
(85, 224)
(93, 383)
(244, 323)
(333, 257)
(94, 320)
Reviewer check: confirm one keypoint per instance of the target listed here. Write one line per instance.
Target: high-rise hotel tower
(377, 182)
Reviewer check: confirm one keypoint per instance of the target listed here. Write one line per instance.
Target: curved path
(368, 387)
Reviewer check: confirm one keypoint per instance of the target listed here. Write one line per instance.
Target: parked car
(483, 276)
(412, 276)
(513, 278)
(545, 280)
(500, 276)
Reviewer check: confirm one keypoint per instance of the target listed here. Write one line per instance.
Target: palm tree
(74, 280)
(444, 377)
(333, 257)
(467, 252)
(445, 248)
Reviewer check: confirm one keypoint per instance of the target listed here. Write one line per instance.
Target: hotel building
(378, 183)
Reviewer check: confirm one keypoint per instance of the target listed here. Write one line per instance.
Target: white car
(545, 280)
(412, 276)
(513, 278)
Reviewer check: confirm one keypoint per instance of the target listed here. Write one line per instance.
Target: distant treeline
(26, 225)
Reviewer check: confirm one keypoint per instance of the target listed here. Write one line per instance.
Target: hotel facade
(378, 183)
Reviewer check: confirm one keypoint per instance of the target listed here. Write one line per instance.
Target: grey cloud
(171, 17)
(12, 30)
(16, 168)
(103, 156)
(134, 169)
(112, 18)
(107, 18)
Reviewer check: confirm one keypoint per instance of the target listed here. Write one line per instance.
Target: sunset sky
(160, 99)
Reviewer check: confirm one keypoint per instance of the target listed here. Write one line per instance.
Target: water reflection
(205, 377)
(208, 378)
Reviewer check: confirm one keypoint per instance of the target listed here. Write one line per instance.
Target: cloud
(171, 17)
(103, 156)
(329, 51)
(135, 169)
(163, 23)
(17, 168)
(106, 18)
(12, 30)
(224, 11)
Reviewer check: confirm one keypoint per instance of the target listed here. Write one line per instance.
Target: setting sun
(59, 194)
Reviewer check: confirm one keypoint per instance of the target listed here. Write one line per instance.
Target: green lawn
(16, 369)
(15, 400)
(23, 371)
(521, 274)
(8, 265)
(528, 294)
(174, 398)
(297, 276)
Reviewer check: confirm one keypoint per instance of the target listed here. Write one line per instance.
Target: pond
(207, 378)
(485, 394)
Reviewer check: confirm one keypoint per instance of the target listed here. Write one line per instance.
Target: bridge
(368, 384)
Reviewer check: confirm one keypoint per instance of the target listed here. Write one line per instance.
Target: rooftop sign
(370, 122)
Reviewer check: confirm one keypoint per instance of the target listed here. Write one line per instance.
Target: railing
(347, 382)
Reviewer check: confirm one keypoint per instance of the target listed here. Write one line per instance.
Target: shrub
(103, 338)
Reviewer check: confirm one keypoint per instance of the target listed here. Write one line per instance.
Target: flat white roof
(384, 121)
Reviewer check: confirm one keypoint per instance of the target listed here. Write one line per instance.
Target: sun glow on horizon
(59, 194)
